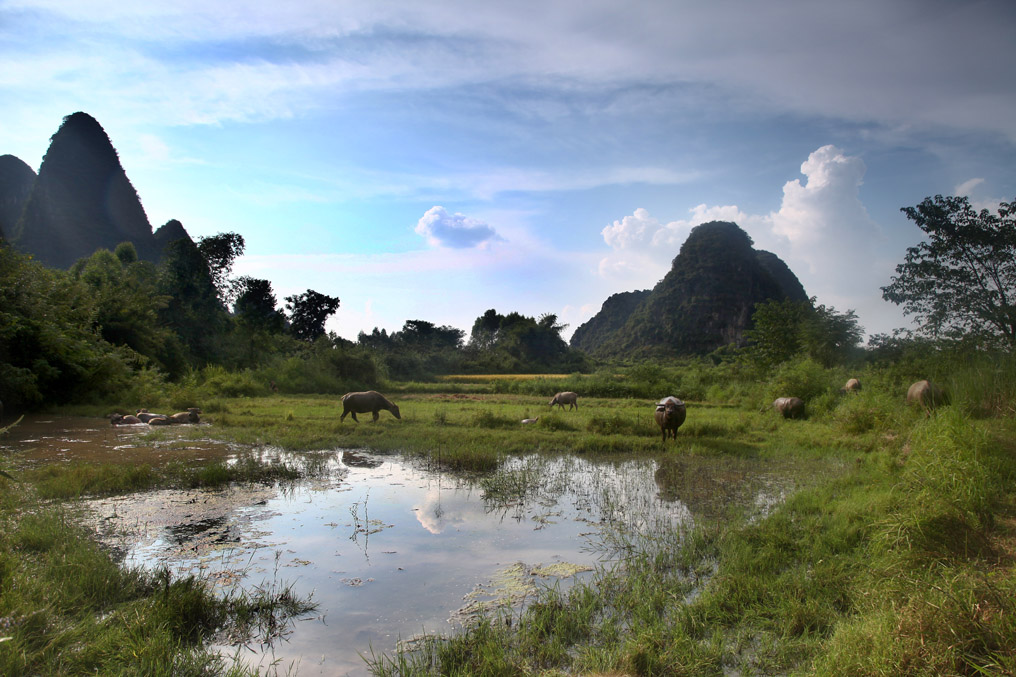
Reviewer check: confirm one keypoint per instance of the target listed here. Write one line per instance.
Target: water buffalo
(146, 416)
(120, 419)
(189, 416)
(929, 395)
(569, 398)
(670, 414)
(361, 403)
(852, 386)
(790, 407)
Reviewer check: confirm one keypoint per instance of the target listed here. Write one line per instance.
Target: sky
(432, 160)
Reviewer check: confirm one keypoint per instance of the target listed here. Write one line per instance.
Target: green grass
(67, 609)
(898, 558)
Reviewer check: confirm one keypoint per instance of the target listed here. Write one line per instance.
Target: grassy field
(901, 562)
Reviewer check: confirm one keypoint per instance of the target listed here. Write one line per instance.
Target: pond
(390, 546)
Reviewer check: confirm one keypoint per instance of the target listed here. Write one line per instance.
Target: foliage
(786, 329)
(962, 280)
(127, 302)
(308, 312)
(194, 311)
(219, 252)
(49, 351)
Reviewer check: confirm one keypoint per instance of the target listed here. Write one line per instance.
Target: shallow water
(389, 547)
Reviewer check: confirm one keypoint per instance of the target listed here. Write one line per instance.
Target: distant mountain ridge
(80, 201)
(703, 303)
(16, 181)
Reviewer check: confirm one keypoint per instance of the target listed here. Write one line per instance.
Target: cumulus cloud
(823, 219)
(643, 247)
(456, 231)
(822, 230)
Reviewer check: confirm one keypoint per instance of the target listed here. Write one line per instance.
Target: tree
(194, 311)
(962, 280)
(126, 300)
(784, 329)
(255, 305)
(219, 252)
(308, 312)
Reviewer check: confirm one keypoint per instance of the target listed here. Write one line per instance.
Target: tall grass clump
(935, 598)
(986, 386)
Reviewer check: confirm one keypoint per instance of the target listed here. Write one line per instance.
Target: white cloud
(967, 187)
(457, 231)
(643, 247)
(823, 219)
(822, 230)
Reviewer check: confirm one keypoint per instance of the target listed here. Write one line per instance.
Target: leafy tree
(194, 311)
(962, 280)
(255, 305)
(127, 302)
(49, 351)
(515, 341)
(377, 339)
(423, 334)
(782, 330)
(308, 313)
(484, 333)
(219, 252)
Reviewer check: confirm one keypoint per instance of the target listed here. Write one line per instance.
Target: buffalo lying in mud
(790, 407)
(120, 419)
(569, 398)
(192, 415)
(670, 414)
(361, 403)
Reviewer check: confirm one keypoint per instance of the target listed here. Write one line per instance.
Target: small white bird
(530, 420)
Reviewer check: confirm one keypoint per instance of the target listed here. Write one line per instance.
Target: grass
(67, 609)
(899, 562)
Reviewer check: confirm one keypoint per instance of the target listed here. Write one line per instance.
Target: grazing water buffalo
(852, 386)
(929, 395)
(790, 407)
(670, 414)
(561, 399)
(361, 403)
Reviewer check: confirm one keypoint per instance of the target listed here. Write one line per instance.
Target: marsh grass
(900, 562)
(76, 480)
(68, 609)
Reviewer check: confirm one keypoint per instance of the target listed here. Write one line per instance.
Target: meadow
(899, 562)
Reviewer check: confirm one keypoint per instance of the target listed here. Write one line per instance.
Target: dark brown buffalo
(361, 403)
(670, 414)
(790, 407)
(929, 395)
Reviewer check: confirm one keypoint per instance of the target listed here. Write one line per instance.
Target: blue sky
(433, 160)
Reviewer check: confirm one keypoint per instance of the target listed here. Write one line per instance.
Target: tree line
(113, 319)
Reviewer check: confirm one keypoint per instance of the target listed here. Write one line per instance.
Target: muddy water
(388, 547)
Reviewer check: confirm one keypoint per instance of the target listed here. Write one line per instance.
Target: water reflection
(389, 547)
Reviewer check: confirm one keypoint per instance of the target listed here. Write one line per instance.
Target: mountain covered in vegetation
(16, 181)
(705, 302)
(80, 201)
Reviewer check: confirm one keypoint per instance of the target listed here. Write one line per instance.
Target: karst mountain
(80, 201)
(705, 301)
